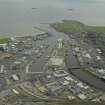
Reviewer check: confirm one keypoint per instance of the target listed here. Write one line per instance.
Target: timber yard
(51, 68)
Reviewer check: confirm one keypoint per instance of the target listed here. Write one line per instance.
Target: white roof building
(15, 77)
(82, 96)
(87, 55)
(60, 43)
(98, 57)
(80, 84)
(69, 78)
(4, 46)
(56, 61)
(101, 71)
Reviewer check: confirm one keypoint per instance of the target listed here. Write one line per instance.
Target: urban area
(42, 68)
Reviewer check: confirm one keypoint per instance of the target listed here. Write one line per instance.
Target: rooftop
(56, 61)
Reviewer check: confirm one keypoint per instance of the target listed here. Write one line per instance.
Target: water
(18, 15)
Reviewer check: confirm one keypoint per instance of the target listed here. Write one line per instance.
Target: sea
(23, 15)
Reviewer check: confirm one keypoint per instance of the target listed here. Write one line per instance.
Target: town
(50, 69)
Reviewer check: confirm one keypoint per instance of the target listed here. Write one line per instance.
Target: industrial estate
(51, 67)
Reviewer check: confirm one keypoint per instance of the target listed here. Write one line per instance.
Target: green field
(76, 26)
(4, 40)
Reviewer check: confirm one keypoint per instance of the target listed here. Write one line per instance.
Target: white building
(15, 77)
(82, 96)
(4, 46)
(60, 43)
(56, 61)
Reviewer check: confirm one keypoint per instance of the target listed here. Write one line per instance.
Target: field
(4, 40)
(68, 26)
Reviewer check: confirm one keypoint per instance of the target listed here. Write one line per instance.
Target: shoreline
(56, 25)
